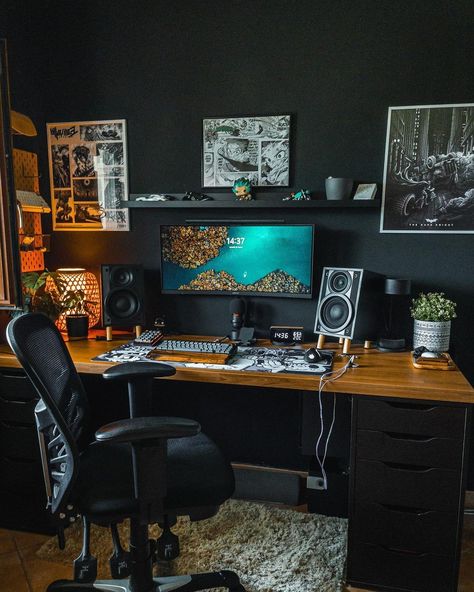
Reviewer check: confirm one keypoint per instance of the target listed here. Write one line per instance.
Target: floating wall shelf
(261, 202)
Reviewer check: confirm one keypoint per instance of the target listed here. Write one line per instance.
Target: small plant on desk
(433, 313)
(42, 292)
(47, 292)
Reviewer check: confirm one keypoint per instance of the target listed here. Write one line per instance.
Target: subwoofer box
(350, 304)
(267, 485)
(122, 295)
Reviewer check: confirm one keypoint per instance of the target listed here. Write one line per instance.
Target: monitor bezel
(244, 293)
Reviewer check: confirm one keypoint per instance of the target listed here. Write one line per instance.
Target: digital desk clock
(281, 335)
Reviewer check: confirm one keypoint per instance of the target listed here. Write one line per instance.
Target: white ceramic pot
(434, 335)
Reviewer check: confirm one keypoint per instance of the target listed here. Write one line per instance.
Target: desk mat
(250, 359)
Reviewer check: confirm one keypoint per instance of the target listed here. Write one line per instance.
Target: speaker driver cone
(335, 313)
(123, 304)
(121, 276)
(340, 281)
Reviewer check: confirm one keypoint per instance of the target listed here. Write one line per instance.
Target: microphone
(237, 310)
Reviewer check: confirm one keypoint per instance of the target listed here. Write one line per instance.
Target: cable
(324, 379)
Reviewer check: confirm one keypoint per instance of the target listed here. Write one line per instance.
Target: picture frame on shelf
(256, 147)
(366, 191)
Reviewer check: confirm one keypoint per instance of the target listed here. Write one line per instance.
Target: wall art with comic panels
(88, 175)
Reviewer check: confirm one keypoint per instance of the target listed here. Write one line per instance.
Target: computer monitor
(253, 260)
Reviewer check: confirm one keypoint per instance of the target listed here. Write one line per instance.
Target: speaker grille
(349, 303)
(123, 295)
(340, 281)
(335, 313)
(123, 304)
(122, 277)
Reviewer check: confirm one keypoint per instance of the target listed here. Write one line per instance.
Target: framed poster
(255, 147)
(429, 170)
(366, 191)
(88, 175)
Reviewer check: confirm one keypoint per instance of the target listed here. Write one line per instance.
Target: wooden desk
(409, 442)
(378, 374)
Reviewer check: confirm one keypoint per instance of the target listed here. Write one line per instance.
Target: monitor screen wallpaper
(232, 259)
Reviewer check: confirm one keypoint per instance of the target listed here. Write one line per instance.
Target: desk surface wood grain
(377, 374)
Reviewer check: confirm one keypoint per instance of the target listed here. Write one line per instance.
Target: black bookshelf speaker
(122, 295)
(350, 303)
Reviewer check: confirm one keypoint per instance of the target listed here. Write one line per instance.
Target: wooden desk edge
(378, 374)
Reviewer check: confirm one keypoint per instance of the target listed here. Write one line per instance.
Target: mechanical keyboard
(199, 347)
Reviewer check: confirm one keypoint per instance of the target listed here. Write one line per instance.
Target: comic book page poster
(429, 170)
(257, 148)
(88, 175)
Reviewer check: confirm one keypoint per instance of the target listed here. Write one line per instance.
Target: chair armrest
(147, 428)
(131, 370)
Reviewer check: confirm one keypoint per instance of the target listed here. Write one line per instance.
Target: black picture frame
(256, 147)
(429, 158)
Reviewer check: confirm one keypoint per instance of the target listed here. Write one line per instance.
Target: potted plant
(42, 292)
(76, 307)
(47, 292)
(433, 313)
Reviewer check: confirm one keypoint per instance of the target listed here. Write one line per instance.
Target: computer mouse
(313, 355)
(430, 354)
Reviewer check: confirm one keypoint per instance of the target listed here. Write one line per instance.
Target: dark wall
(337, 66)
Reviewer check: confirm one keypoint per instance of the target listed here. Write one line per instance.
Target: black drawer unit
(404, 417)
(428, 488)
(382, 568)
(401, 527)
(406, 494)
(22, 494)
(427, 451)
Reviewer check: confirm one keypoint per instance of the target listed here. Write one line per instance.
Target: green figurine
(301, 195)
(242, 189)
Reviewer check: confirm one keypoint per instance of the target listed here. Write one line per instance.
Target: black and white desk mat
(250, 359)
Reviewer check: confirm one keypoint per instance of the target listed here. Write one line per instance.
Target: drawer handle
(406, 510)
(403, 552)
(4, 375)
(14, 401)
(404, 467)
(16, 425)
(409, 438)
(410, 406)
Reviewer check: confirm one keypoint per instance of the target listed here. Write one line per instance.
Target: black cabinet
(406, 494)
(22, 494)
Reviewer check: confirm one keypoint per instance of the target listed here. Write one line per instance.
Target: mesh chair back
(62, 414)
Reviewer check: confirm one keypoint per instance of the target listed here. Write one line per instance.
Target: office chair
(148, 469)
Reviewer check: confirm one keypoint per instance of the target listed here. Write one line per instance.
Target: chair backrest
(62, 413)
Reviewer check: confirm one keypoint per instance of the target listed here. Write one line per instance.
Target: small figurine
(301, 195)
(242, 189)
(155, 197)
(194, 196)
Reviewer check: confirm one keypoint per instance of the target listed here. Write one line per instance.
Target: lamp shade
(397, 287)
(78, 279)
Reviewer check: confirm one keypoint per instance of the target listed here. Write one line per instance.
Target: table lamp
(77, 278)
(395, 290)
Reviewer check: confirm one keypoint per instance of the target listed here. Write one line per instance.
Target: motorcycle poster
(429, 170)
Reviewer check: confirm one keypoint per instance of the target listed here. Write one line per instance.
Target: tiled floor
(22, 571)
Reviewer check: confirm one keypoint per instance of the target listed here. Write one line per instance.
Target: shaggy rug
(272, 549)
